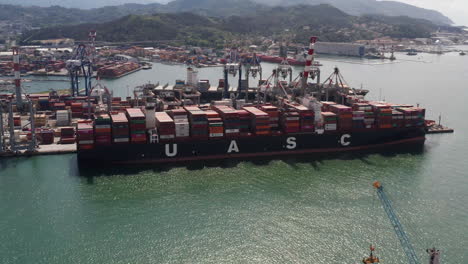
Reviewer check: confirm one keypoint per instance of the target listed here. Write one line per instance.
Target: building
(125, 58)
(341, 49)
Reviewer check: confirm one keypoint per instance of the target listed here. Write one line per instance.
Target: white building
(342, 49)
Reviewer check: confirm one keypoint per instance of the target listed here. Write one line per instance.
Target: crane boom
(398, 227)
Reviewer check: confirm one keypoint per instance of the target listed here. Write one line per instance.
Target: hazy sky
(457, 10)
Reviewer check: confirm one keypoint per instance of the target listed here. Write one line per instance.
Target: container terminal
(193, 120)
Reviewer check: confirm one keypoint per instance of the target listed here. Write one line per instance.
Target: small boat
(412, 53)
(147, 67)
(462, 53)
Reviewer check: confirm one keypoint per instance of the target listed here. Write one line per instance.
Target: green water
(320, 210)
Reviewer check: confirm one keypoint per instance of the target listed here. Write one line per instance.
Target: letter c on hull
(345, 140)
(170, 153)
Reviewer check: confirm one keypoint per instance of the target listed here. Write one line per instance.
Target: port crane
(434, 254)
(81, 62)
(8, 131)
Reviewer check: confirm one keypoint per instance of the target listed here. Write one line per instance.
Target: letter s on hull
(291, 143)
(345, 140)
(172, 153)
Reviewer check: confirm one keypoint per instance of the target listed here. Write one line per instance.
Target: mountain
(330, 23)
(84, 4)
(57, 15)
(216, 8)
(364, 7)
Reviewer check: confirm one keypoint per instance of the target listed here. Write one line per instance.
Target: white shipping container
(166, 136)
(292, 118)
(232, 130)
(121, 140)
(329, 127)
(103, 126)
(86, 142)
(216, 134)
(181, 118)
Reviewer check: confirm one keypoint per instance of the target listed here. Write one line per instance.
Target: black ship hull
(253, 146)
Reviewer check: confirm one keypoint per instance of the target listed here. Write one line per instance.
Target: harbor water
(290, 210)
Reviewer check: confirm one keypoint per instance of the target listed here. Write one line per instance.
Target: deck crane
(434, 254)
(82, 62)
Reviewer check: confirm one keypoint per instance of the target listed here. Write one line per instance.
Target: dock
(53, 149)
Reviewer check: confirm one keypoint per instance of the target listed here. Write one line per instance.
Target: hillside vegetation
(298, 22)
(57, 15)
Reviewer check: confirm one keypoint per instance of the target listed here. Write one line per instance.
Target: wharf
(54, 149)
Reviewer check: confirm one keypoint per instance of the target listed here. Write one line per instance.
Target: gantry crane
(434, 254)
(82, 62)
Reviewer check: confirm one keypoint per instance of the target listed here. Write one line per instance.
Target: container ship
(173, 125)
(278, 59)
(117, 70)
(277, 118)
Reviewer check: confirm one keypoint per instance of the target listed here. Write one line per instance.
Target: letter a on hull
(233, 147)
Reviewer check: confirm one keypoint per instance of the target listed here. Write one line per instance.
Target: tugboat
(462, 53)
(371, 259)
(147, 66)
(412, 52)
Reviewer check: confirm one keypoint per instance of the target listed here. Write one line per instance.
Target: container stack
(17, 121)
(67, 135)
(326, 106)
(413, 116)
(345, 116)
(181, 122)
(102, 129)
(330, 121)
(137, 124)
(231, 120)
(274, 114)
(88, 110)
(369, 115)
(44, 136)
(244, 122)
(307, 118)
(419, 115)
(165, 126)
(398, 119)
(120, 129)
(85, 135)
(359, 119)
(198, 122)
(63, 118)
(59, 106)
(215, 124)
(40, 120)
(260, 121)
(383, 114)
(76, 110)
(44, 103)
(290, 122)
